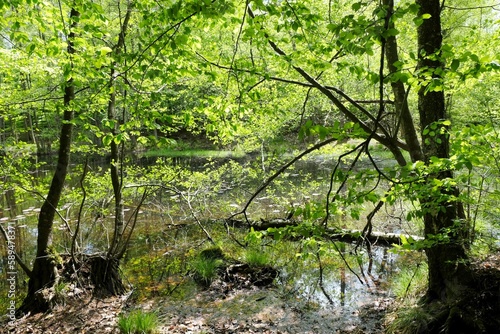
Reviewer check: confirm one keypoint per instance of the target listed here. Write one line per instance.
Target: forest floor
(244, 309)
(258, 310)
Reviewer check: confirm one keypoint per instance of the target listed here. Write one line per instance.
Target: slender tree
(44, 272)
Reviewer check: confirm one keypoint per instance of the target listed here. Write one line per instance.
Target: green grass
(205, 269)
(410, 320)
(256, 257)
(411, 282)
(138, 322)
(408, 316)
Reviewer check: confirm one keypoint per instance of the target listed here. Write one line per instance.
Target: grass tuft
(410, 284)
(205, 269)
(138, 322)
(410, 320)
(256, 258)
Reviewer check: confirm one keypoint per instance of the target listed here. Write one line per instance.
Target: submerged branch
(320, 279)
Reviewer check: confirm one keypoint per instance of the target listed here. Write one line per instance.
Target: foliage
(153, 275)
(60, 293)
(410, 283)
(138, 322)
(204, 269)
(214, 75)
(256, 257)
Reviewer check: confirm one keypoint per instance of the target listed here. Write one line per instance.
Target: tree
(44, 268)
(448, 274)
(98, 71)
(305, 43)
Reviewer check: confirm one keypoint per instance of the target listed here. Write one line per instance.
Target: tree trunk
(105, 275)
(44, 270)
(405, 119)
(448, 274)
(115, 165)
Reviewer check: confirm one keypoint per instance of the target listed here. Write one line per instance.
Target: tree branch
(357, 104)
(18, 258)
(494, 7)
(280, 171)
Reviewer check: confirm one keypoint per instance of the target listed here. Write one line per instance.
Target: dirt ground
(258, 310)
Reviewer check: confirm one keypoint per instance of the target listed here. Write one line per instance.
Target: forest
(253, 166)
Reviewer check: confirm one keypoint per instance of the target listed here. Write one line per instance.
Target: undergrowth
(138, 322)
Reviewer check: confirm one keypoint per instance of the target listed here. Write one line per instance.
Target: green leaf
(105, 50)
(468, 164)
(106, 141)
(31, 47)
(455, 64)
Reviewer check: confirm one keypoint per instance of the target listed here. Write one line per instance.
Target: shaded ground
(257, 310)
(236, 307)
(83, 314)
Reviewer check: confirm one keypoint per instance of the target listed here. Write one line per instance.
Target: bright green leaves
(104, 50)
(420, 19)
(472, 159)
(357, 6)
(475, 146)
(310, 211)
(117, 139)
(306, 230)
(435, 132)
(472, 66)
(356, 35)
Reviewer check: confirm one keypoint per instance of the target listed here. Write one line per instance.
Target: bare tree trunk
(405, 120)
(44, 270)
(116, 159)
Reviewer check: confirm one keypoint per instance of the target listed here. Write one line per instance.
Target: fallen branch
(351, 236)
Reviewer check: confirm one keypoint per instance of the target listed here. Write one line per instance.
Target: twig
(279, 172)
(55, 209)
(332, 176)
(320, 279)
(78, 222)
(18, 258)
(135, 215)
(188, 201)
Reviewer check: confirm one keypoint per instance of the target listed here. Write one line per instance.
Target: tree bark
(405, 119)
(44, 270)
(448, 274)
(115, 165)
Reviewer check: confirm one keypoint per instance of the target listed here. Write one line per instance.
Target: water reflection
(346, 290)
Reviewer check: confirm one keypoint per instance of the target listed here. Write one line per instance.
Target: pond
(167, 228)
